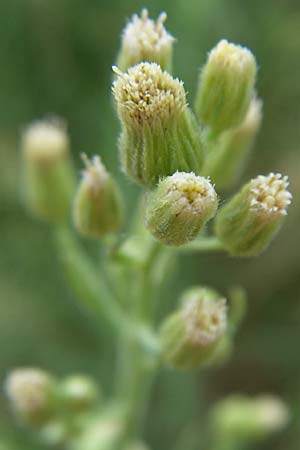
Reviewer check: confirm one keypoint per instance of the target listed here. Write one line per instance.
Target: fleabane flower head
(146, 94)
(205, 318)
(45, 141)
(97, 209)
(226, 86)
(144, 39)
(250, 220)
(48, 172)
(191, 336)
(159, 132)
(179, 207)
(269, 195)
(30, 392)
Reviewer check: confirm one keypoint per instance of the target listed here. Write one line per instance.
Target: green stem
(208, 244)
(94, 294)
(88, 284)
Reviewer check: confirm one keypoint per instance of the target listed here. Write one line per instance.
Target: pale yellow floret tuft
(269, 194)
(196, 192)
(27, 389)
(232, 56)
(146, 39)
(147, 93)
(205, 319)
(45, 140)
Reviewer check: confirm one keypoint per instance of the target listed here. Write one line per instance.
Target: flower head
(226, 86)
(269, 195)
(29, 391)
(144, 39)
(205, 319)
(146, 94)
(179, 207)
(191, 336)
(97, 209)
(250, 220)
(45, 140)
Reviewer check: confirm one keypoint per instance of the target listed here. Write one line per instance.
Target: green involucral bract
(225, 87)
(98, 208)
(249, 221)
(191, 335)
(179, 207)
(159, 132)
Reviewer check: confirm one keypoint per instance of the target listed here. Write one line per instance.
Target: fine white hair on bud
(179, 207)
(232, 56)
(45, 140)
(146, 94)
(144, 39)
(269, 194)
(28, 390)
(193, 193)
(205, 319)
(226, 86)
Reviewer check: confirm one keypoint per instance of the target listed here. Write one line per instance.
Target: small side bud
(48, 173)
(31, 393)
(79, 393)
(226, 86)
(250, 220)
(179, 207)
(241, 419)
(144, 39)
(229, 154)
(190, 336)
(159, 132)
(98, 207)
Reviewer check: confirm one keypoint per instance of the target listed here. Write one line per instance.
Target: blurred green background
(56, 58)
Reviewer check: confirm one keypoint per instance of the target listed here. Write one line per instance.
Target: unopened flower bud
(159, 132)
(230, 152)
(226, 86)
(79, 393)
(249, 221)
(31, 393)
(242, 419)
(144, 39)
(179, 207)
(48, 172)
(97, 207)
(190, 336)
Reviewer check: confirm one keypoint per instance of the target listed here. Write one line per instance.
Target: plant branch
(207, 244)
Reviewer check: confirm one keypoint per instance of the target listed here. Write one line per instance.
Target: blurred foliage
(56, 57)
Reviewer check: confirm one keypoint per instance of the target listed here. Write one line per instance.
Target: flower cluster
(183, 161)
